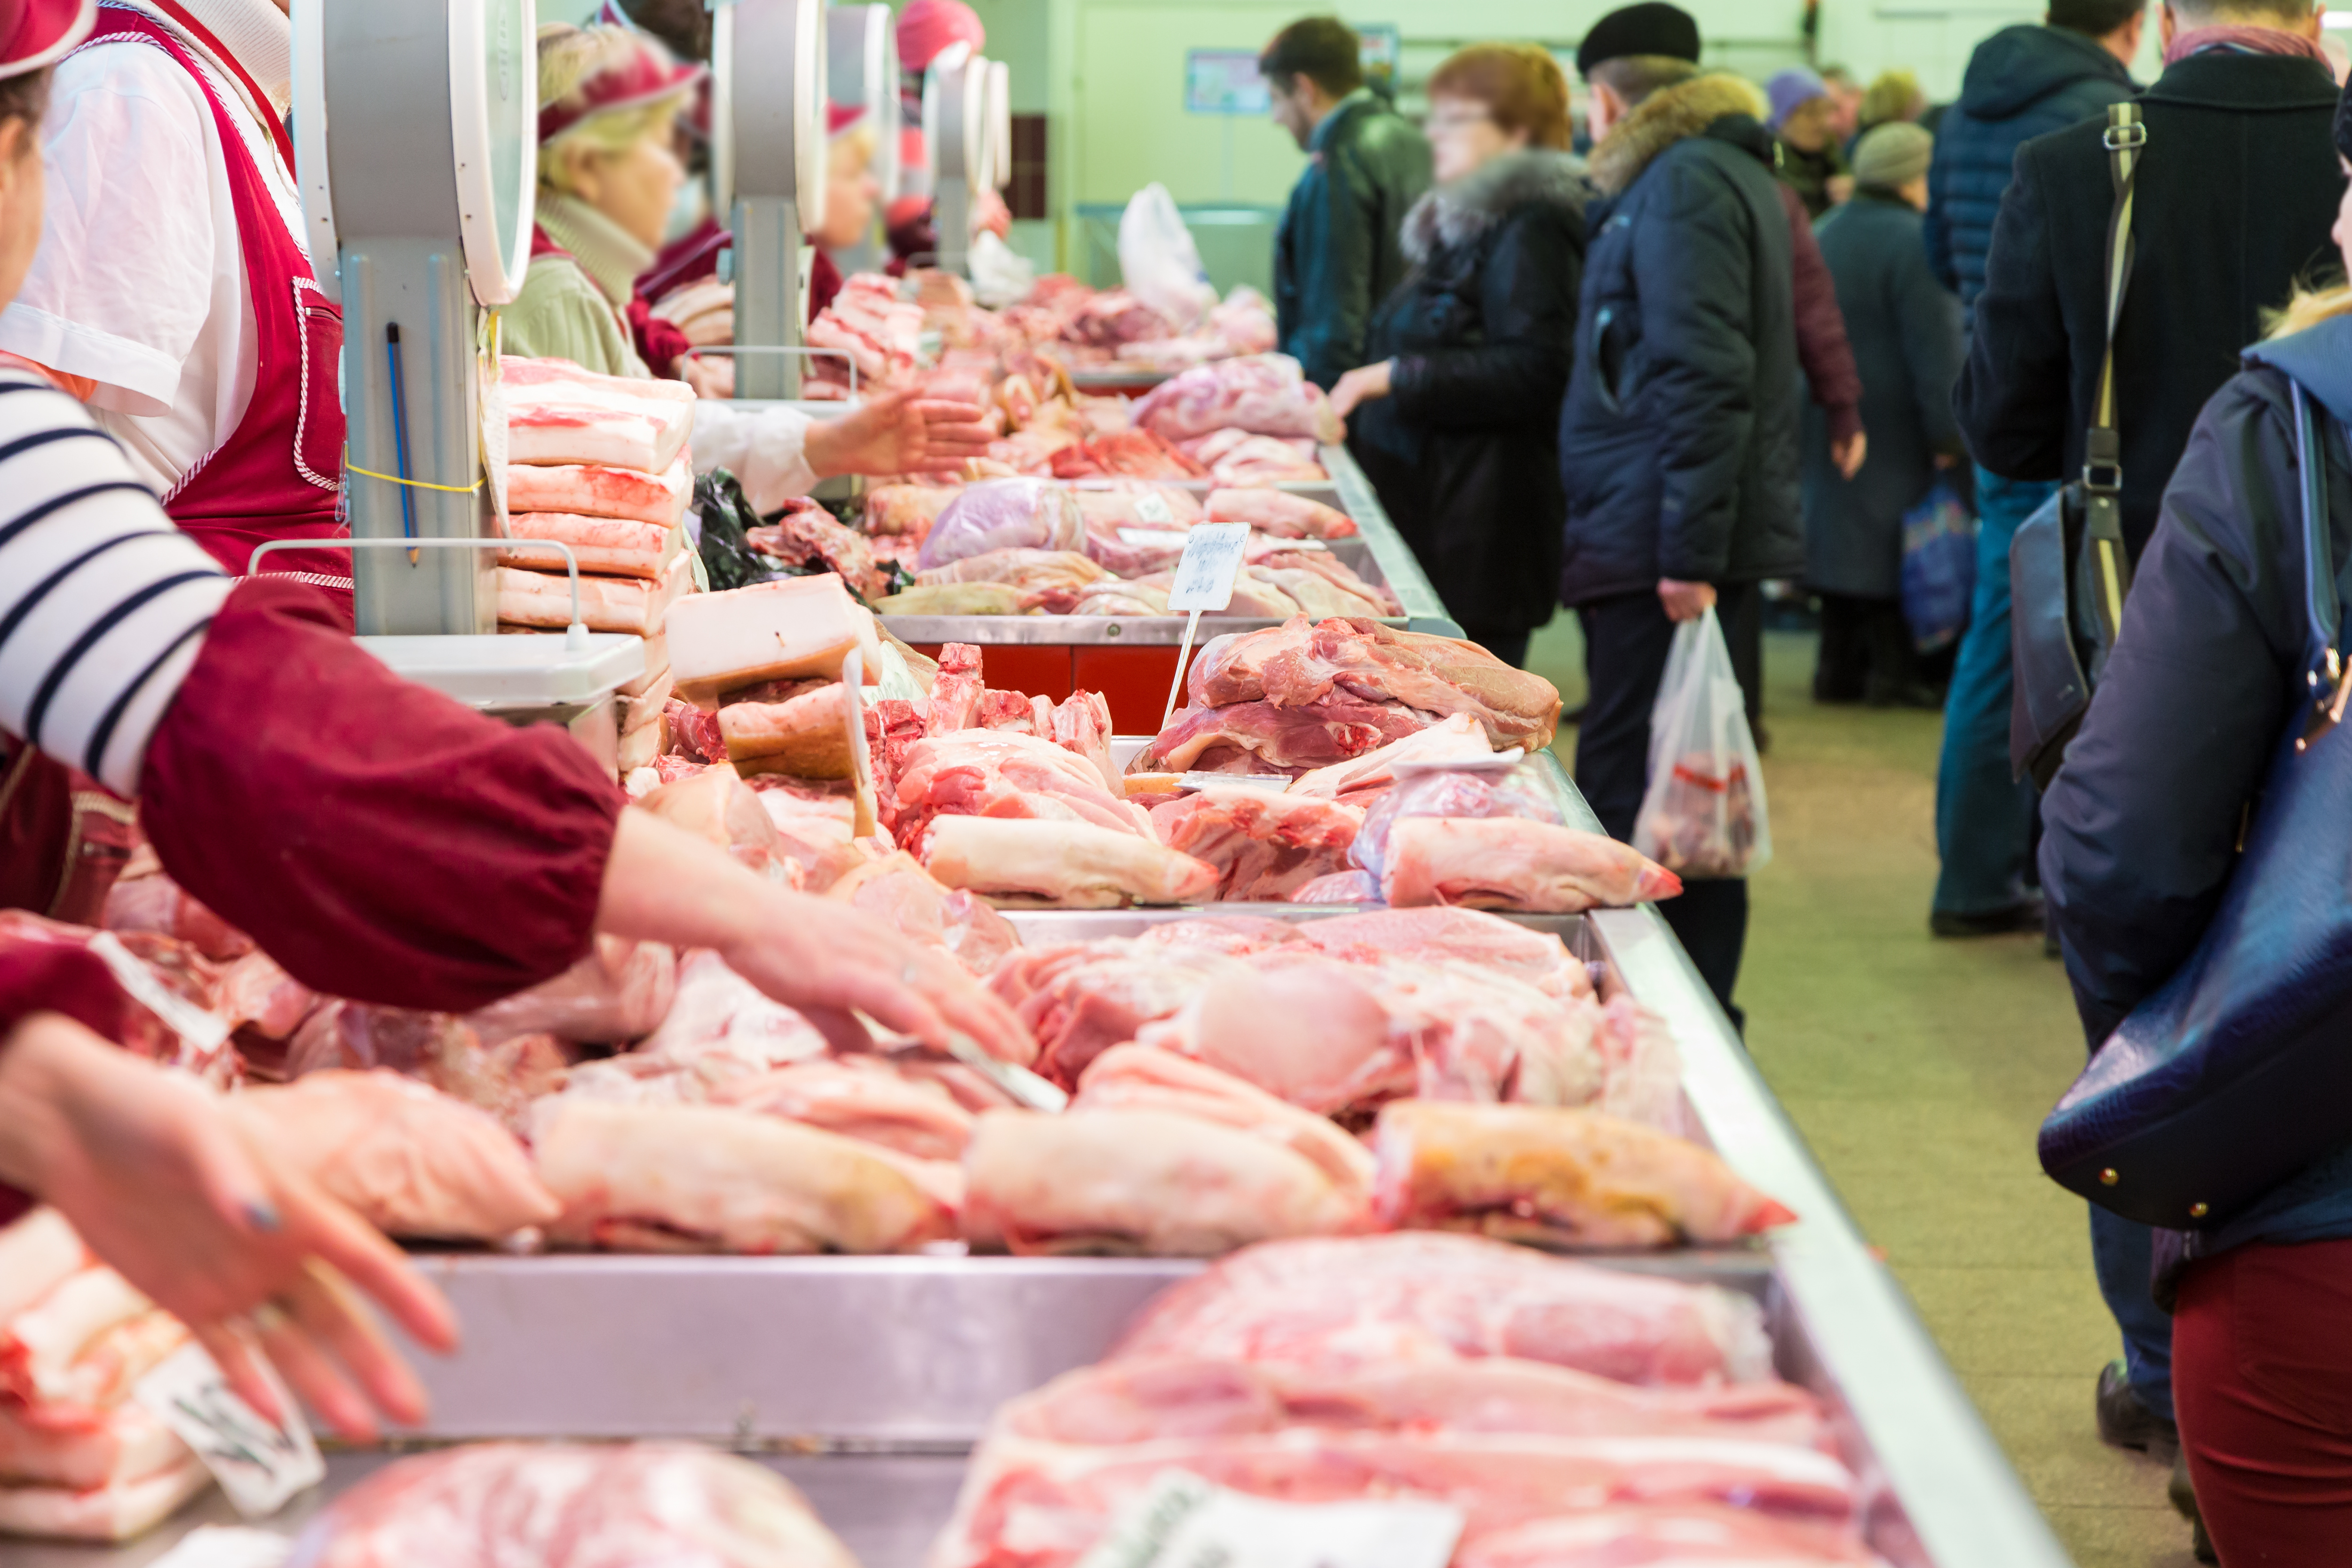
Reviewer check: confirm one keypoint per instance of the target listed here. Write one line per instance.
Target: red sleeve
(379, 840)
(1821, 326)
(824, 283)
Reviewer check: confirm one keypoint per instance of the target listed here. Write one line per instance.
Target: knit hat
(1892, 155)
(1792, 87)
(926, 26)
(1651, 28)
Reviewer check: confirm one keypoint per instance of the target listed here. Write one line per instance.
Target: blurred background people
(1455, 421)
(1805, 120)
(1892, 96)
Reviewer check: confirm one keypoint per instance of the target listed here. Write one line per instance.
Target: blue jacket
(1336, 254)
(2140, 827)
(2022, 82)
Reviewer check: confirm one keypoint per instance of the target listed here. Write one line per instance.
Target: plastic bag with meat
(1002, 514)
(1703, 813)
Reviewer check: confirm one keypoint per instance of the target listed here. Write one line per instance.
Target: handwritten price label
(1213, 558)
(258, 1463)
(1185, 1521)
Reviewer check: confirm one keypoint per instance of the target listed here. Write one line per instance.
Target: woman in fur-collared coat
(1456, 420)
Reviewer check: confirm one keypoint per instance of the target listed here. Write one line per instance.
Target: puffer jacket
(1678, 438)
(2022, 82)
(1464, 451)
(1336, 256)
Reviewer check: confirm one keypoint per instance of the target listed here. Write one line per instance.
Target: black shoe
(2026, 916)
(2183, 1494)
(2125, 1423)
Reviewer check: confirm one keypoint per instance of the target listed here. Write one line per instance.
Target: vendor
(379, 840)
(607, 180)
(174, 264)
(930, 33)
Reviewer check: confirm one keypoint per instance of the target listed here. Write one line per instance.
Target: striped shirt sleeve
(103, 602)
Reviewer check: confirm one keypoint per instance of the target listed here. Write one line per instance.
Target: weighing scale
(768, 167)
(956, 131)
(862, 68)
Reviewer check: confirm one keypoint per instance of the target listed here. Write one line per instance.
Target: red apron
(276, 475)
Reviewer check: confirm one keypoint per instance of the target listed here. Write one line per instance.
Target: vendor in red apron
(930, 33)
(173, 289)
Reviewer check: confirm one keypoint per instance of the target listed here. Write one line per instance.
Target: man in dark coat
(1336, 256)
(1678, 440)
(2235, 195)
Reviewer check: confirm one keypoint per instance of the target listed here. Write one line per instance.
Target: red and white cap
(35, 33)
(840, 116)
(928, 26)
(641, 75)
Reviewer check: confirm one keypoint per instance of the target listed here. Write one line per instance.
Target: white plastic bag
(1001, 276)
(1703, 814)
(1158, 260)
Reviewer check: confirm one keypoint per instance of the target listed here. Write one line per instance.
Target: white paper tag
(1500, 762)
(227, 1546)
(1212, 559)
(1273, 783)
(1152, 507)
(259, 1464)
(1183, 1522)
(1159, 538)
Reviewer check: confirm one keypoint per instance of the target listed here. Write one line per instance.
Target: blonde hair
(1892, 95)
(569, 58)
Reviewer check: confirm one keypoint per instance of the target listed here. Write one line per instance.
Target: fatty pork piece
(409, 1159)
(499, 1505)
(799, 728)
(1364, 779)
(858, 1097)
(953, 599)
(1265, 738)
(1552, 1176)
(1079, 999)
(1265, 846)
(1612, 1537)
(77, 1449)
(1044, 1505)
(1279, 513)
(1301, 1026)
(1462, 936)
(716, 806)
(83, 1343)
(720, 1025)
(712, 1178)
(540, 598)
(1143, 1399)
(620, 992)
(618, 547)
(1046, 580)
(1064, 864)
(1149, 1183)
(436, 1048)
(120, 1509)
(794, 628)
(1298, 664)
(1119, 598)
(1139, 1078)
(1511, 863)
(558, 412)
(589, 490)
(1340, 586)
(998, 774)
(1419, 1297)
(920, 908)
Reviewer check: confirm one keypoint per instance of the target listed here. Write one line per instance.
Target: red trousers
(2262, 1371)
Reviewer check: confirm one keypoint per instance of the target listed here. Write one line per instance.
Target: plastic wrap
(1517, 792)
(1703, 813)
(1003, 514)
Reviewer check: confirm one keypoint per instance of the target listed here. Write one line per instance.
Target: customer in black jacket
(1678, 440)
(1456, 419)
(1336, 256)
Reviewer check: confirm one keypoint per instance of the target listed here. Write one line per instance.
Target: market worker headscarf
(607, 70)
(37, 33)
(926, 28)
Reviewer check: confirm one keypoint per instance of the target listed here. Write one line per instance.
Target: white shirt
(138, 283)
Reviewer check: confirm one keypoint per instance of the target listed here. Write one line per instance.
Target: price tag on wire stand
(1205, 581)
(1185, 1521)
(258, 1463)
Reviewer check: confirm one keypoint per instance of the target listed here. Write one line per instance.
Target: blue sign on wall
(1224, 81)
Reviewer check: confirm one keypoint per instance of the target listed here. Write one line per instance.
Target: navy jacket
(1336, 256)
(1678, 438)
(2022, 82)
(2140, 827)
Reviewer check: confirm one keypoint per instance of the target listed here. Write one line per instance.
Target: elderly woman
(1456, 421)
(607, 182)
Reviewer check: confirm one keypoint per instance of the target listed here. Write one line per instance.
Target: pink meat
(588, 490)
(1282, 739)
(1511, 863)
(1280, 514)
(1264, 846)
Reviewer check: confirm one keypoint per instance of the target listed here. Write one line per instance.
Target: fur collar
(1455, 213)
(1671, 114)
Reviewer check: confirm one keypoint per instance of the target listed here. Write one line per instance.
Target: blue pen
(400, 437)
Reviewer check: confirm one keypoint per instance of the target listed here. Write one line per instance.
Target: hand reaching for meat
(898, 432)
(1361, 386)
(195, 1209)
(662, 884)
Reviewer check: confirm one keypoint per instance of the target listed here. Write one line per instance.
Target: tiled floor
(1919, 1070)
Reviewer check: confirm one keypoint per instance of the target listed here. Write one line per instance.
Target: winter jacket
(2022, 82)
(2140, 827)
(1809, 173)
(1678, 440)
(2234, 201)
(1336, 256)
(1464, 451)
(1905, 331)
(1822, 348)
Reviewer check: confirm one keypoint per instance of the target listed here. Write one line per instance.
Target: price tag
(1212, 559)
(1273, 783)
(227, 1546)
(1183, 1522)
(1152, 507)
(1156, 538)
(259, 1464)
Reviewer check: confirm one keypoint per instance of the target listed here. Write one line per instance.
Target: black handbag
(2068, 571)
(2236, 1073)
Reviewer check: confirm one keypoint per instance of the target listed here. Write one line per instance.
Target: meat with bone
(636, 605)
(1070, 862)
(805, 534)
(1558, 1177)
(1362, 779)
(1266, 738)
(1081, 726)
(559, 413)
(997, 773)
(907, 509)
(1297, 664)
(1279, 513)
(494, 1505)
(1415, 1297)
(1691, 1537)
(1508, 862)
(1264, 846)
(1139, 1078)
(1237, 459)
(655, 1177)
(409, 1159)
(619, 547)
(923, 909)
(589, 490)
(1148, 1182)
(1265, 395)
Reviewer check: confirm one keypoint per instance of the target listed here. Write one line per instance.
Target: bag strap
(2126, 139)
(2324, 672)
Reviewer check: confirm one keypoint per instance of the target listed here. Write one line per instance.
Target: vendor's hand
(1685, 601)
(1848, 454)
(1361, 386)
(191, 1206)
(898, 432)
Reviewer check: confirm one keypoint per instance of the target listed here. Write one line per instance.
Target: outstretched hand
(899, 432)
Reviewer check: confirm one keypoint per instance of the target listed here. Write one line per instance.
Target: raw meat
(620, 992)
(64, 1446)
(118, 1512)
(723, 1026)
(1081, 998)
(860, 1097)
(1307, 1028)
(805, 534)
(716, 806)
(1338, 888)
(1458, 737)
(1046, 580)
(713, 1178)
(999, 514)
(1680, 1537)
(636, 605)
(412, 1161)
(1139, 1078)
(619, 547)
(998, 773)
(1263, 737)
(1265, 395)
(1507, 863)
(1237, 459)
(1420, 1296)
(956, 689)
(1128, 454)
(1463, 936)
(1069, 863)
(1280, 514)
(794, 628)
(504, 1505)
(1317, 578)
(696, 730)
(1264, 846)
(37, 1253)
(807, 735)
(878, 332)
(909, 509)
(589, 490)
(920, 909)
(1148, 1182)
(1704, 820)
(156, 903)
(1113, 317)
(1109, 505)
(84, 1342)
(260, 999)
(558, 412)
(1119, 599)
(1297, 665)
(1558, 1177)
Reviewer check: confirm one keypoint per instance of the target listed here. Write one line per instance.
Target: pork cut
(540, 598)
(1265, 395)
(1686, 1536)
(1139, 1078)
(1264, 846)
(120, 1509)
(587, 489)
(1261, 737)
(806, 734)
(858, 1097)
(1362, 779)
(1279, 512)
(1511, 863)
(907, 510)
(1461, 936)
(923, 909)
(558, 412)
(794, 628)
(1001, 773)
(1298, 664)
(805, 535)
(619, 547)
(1071, 863)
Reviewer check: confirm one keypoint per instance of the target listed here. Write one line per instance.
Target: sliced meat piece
(1280, 514)
(1071, 864)
(1508, 862)
(588, 490)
